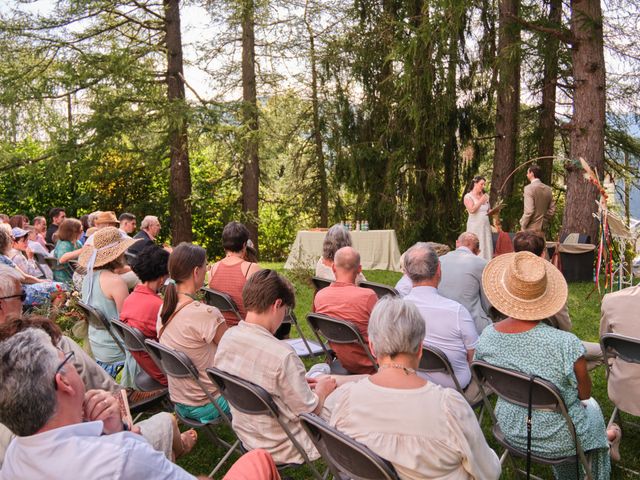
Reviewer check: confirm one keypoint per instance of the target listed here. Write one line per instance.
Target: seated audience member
(619, 315)
(56, 217)
(102, 220)
(68, 247)
(160, 430)
(22, 255)
(127, 223)
(37, 291)
(251, 352)
(11, 295)
(462, 279)
(425, 430)
(449, 326)
(404, 285)
(140, 309)
(18, 221)
(4, 218)
(254, 465)
(346, 301)
(529, 289)
(194, 328)
(533, 241)
(40, 228)
(336, 238)
(231, 273)
(105, 290)
(38, 248)
(84, 219)
(149, 230)
(71, 433)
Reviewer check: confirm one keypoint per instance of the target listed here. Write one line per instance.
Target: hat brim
(106, 256)
(545, 306)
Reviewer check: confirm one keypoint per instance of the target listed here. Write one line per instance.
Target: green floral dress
(551, 354)
(65, 273)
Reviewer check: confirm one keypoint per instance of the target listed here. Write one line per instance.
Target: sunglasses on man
(22, 296)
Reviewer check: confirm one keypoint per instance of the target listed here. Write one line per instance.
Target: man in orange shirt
(346, 301)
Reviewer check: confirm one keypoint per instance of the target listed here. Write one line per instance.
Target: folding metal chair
(513, 386)
(434, 360)
(380, 289)
(320, 283)
(337, 331)
(346, 457)
(131, 258)
(97, 320)
(134, 342)
(623, 348)
(222, 301)
(177, 364)
(252, 399)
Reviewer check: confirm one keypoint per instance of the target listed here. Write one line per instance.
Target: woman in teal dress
(68, 247)
(529, 289)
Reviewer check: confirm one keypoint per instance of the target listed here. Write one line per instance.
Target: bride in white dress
(477, 204)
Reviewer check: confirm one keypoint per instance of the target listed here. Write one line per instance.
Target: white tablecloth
(378, 249)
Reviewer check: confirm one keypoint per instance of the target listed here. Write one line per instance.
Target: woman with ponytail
(194, 328)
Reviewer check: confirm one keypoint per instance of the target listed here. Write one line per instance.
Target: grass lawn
(585, 314)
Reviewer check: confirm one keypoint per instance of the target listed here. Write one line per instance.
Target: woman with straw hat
(106, 291)
(528, 289)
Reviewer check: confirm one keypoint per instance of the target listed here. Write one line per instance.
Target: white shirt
(404, 286)
(450, 328)
(81, 451)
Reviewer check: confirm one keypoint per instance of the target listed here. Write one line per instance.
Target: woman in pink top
(230, 274)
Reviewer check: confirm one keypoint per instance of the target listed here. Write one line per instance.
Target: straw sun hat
(524, 286)
(109, 243)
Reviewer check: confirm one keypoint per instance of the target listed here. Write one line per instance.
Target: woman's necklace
(191, 296)
(407, 370)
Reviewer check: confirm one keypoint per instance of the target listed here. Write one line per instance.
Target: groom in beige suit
(539, 205)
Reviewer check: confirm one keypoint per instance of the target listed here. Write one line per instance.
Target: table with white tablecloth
(378, 249)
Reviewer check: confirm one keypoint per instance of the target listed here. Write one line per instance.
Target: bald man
(346, 301)
(462, 279)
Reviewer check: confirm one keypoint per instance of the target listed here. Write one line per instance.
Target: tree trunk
(317, 132)
(547, 122)
(251, 172)
(508, 106)
(179, 174)
(588, 122)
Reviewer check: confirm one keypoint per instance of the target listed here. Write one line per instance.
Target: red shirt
(230, 279)
(140, 310)
(346, 301)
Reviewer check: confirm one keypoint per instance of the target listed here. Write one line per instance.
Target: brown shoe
(136, 397)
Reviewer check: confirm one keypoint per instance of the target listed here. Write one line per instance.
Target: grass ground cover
(585, 314)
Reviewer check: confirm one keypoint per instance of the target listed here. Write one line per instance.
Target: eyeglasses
(67, 357)
(22, 296)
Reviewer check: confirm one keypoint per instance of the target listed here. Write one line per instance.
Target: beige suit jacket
(539, 206)
(619, 314)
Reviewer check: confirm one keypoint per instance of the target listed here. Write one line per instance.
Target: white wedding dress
(479, 224)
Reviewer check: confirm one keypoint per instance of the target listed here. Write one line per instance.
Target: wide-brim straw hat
(524, 286)
(109, 243)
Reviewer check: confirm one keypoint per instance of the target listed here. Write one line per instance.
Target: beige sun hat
(108, 244)
(108, 218)
(524, 286)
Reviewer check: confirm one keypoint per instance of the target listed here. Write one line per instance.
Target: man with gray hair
(346, 301)
(462, 278)
(149, 230)
(449, 325)
(71, 433)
